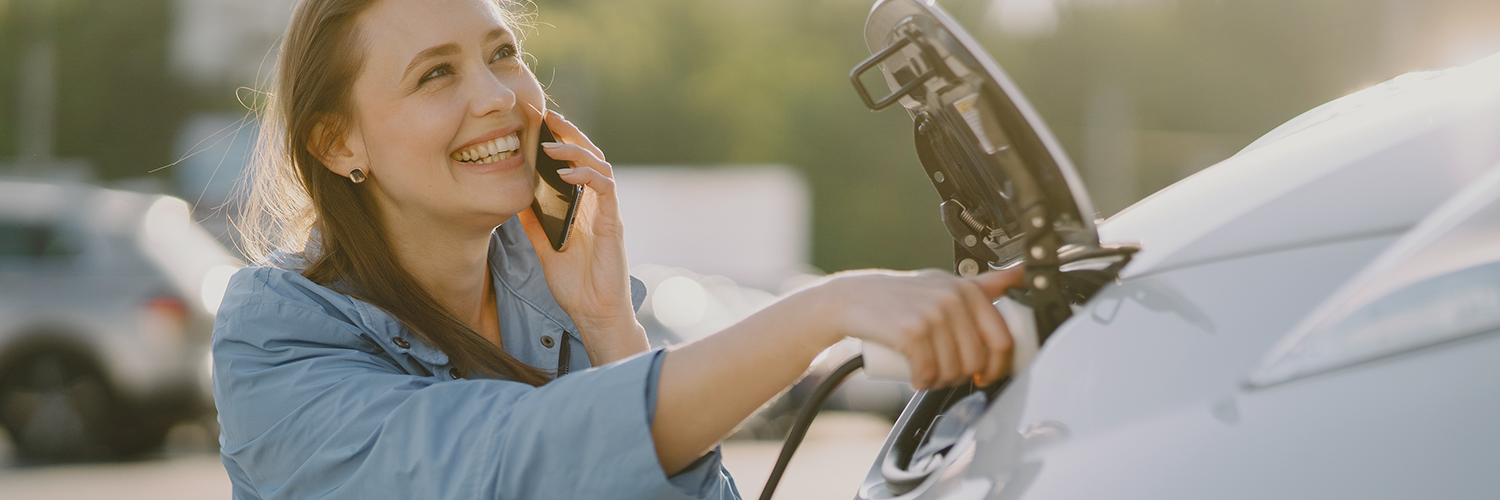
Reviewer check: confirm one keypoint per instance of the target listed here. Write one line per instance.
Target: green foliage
(118, 106)
(1204, 77)
(712, 81)
(735, 81)
(122, 105)
(752, 81)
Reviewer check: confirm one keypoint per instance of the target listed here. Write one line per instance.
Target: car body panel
(1335, 436)
(1152, 346)
(1179, 338)
(1388, 155)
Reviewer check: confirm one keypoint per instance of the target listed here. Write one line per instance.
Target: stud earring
(357, 176)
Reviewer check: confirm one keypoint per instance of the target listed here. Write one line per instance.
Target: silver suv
(106, 306)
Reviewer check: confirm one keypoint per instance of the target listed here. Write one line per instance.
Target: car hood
(1371, 163)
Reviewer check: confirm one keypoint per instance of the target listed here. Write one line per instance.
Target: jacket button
(401, 342)
(547, 341)
(453, 372)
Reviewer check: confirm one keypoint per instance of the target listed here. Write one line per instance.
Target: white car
(106, 306)
(1315, 317)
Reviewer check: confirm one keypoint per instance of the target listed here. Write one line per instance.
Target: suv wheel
(56, 406)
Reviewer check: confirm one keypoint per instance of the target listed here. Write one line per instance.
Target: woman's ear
(340, 153)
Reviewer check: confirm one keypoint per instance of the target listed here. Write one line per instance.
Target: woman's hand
(590, 279)
(947, 327)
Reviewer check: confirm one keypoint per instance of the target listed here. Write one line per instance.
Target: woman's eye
(505, 51)
(439, 71)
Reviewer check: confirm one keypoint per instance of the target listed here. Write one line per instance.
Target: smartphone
(556, 202)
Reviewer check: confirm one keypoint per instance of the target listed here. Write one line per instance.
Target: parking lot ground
(197, 476)
(830, 464)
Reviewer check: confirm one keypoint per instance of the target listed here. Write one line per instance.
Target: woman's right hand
(947, 327)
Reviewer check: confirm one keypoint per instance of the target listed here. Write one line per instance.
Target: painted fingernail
(552, 144)
(564, 171)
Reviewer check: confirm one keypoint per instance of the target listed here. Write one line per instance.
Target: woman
(411, 335)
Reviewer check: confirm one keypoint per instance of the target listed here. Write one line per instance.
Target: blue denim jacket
(321, 395)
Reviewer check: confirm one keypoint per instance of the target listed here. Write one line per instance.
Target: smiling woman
(408, 329)
(398, 112)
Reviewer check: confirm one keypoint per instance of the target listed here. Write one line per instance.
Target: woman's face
(445, 114)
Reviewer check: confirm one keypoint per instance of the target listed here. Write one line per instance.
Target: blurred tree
(10, 41)
(733, 81)
(1140, 92)
(116, 103)
(1198, 79)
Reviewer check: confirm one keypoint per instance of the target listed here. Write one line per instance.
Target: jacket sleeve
(311, 408)
(706, 477)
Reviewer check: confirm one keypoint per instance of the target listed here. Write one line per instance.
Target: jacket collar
(514, 268)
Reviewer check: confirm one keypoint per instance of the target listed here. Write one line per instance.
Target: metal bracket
(910, 37)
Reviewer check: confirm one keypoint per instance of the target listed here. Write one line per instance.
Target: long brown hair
(292, 196)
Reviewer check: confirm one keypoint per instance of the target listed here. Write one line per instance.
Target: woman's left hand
(590, 278)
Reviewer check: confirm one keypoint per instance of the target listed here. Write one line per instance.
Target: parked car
(106, 307)
(1315, 317)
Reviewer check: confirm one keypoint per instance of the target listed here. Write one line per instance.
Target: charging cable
(882, 363)
(805, 418)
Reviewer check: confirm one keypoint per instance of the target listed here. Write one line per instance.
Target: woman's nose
(491, 96)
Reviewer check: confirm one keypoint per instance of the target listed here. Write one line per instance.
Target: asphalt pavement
(830, 464)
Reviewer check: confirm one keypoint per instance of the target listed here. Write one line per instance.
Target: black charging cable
(805, 418)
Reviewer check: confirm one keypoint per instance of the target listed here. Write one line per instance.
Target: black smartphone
(556, 202)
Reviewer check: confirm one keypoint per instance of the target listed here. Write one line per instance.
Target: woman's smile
(498, 151)
(489, 151)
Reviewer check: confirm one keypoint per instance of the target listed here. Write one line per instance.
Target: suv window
(18, 239)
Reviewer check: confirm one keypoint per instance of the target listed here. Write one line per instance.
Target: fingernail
(551, 144)
(564, 171)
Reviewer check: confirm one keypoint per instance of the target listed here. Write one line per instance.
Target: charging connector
(883, 363)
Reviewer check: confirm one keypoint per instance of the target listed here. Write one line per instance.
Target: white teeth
(492, 151)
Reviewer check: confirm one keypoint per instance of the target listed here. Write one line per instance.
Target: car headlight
(1438, 283)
